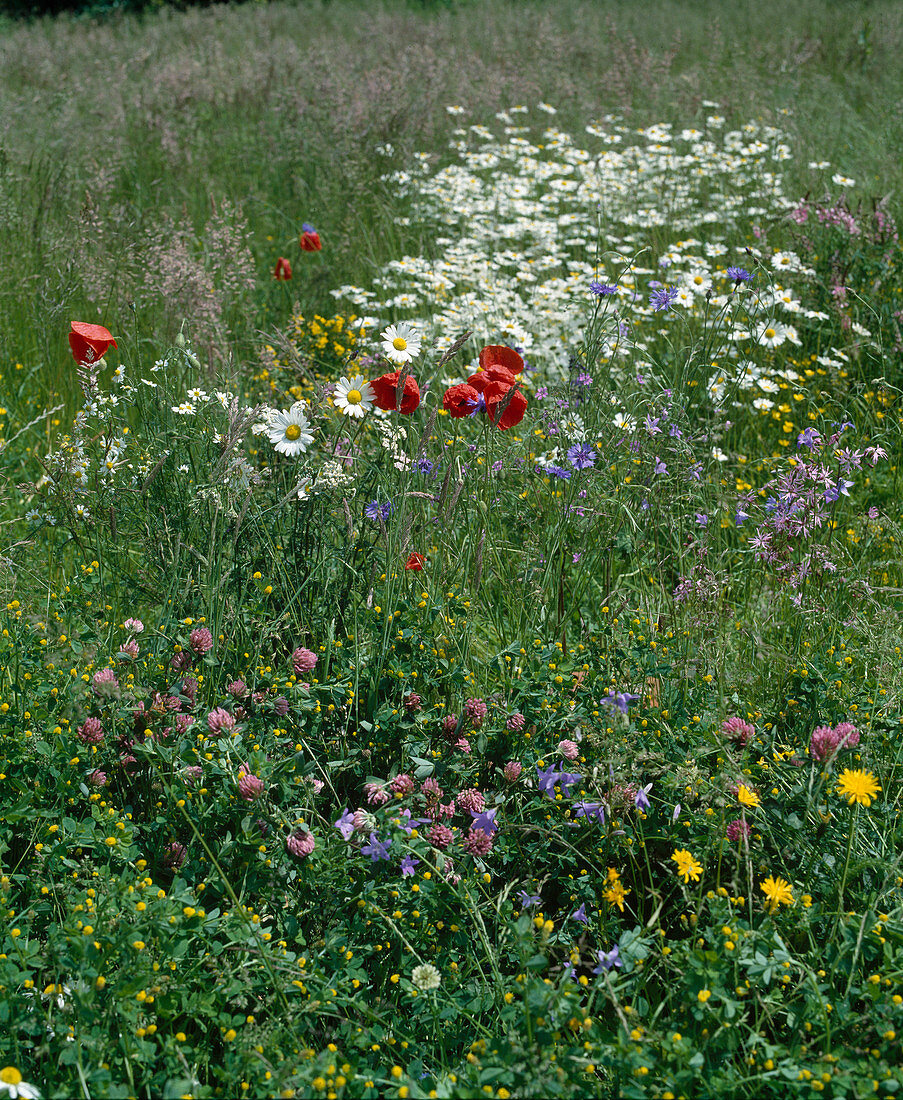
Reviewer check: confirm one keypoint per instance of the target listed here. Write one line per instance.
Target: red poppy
(309, 239)
(505, 405)
(482, 378)
(89, 342)
(283, 269)
(460, 400)
(497, 355)
(416, 562)
(392, 394)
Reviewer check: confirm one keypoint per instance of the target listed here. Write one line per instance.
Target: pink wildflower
(190, 688)
(568, 749)
(449, 725)
(430, 789)
(201, 640)
(847, 735)
(250, 787)
(515, 722)
(129, 649)
(238, 689)
(402, 784)
(183, 722)
(98, 778)
(463, 745)
(104, 682)
(470, 801)
(412, 702)
(300, 844)
(737, 730)
(363, 822)
(377, 795)
(737, 828)
(441, 836)
(476, 710)
(90, 732)
(823, 743)
(175, 855)
(512, 770)
(303, 660)
(280, 706)
(219, 719)
(133, 626)
(478, 843)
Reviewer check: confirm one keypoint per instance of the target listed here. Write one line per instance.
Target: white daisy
(401, 343)
(772, 334)
(353, 396)
(288, 431)
(12, 1085)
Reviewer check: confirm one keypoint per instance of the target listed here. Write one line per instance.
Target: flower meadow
(491, 689)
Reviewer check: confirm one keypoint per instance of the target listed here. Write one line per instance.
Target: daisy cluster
(530, 227)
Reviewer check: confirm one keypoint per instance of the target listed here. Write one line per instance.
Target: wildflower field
(450, 637)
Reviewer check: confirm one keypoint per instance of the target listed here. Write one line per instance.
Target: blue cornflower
(663, 297)
(738, 275)
(582, 456)
(560, 472)
(374, 510)
(602, 290)
(306, 227)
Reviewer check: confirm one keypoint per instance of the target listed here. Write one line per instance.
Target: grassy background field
(644, 645)
(140, 157)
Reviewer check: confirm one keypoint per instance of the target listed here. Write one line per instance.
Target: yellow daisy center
(292, 432)
(9, 1075)
(770, 334)
(354, 397)
(399, 343)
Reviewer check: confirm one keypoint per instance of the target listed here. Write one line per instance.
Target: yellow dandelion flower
(857, 786)
(777, 892)
(615, 895)
(687, 866)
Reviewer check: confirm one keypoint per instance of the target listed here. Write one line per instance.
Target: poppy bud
(283, 270)
(309, 239)
(89, 342)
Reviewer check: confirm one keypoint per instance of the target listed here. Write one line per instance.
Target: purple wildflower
(663, 297)
(345, 823)
(738, 275)
(376, 849)
(608, 960)
(407, 866)
(581, 456)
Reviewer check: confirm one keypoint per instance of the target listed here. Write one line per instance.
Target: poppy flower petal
(502, 356)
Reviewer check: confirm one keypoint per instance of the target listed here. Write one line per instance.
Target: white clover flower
(288, 431)
(426, 977)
